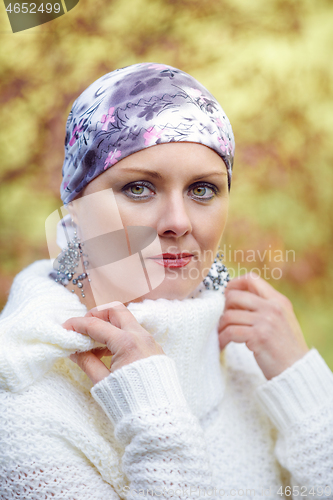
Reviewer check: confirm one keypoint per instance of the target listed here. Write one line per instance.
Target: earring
(67, 262)
(218, 276)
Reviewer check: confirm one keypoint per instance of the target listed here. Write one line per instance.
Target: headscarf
(137, 107)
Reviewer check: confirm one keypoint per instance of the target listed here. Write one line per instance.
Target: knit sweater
(188, 424)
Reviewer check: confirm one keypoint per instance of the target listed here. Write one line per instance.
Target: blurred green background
(269, 63)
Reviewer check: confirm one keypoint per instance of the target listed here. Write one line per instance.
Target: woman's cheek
(135, 214)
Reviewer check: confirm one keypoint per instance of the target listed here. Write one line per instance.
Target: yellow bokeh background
(269, 63)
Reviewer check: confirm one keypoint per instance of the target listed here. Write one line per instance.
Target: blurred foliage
(270, 66)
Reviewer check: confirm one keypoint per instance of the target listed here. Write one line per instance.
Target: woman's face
(181, 191)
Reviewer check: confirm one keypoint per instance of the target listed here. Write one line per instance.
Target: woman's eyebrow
(203, 176)
(152, 173)
(144, 171)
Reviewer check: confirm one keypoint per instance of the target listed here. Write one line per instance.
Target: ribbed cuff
(298, 391)
(146, 383)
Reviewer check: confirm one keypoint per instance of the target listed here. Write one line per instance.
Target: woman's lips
(173, 259)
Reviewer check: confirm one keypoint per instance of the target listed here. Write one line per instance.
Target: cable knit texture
(165, 425)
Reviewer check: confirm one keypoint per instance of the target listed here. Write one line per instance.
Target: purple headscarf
(136, 107)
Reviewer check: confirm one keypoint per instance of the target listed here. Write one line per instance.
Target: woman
(149, 151)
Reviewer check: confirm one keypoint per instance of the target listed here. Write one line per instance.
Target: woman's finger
(236, 317)
(91, 365)
(97, 329)
(115, 313)
(240, 299)
(235, 333)
(125, 339)
(253, 283)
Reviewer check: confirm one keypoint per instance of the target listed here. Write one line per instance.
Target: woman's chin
(172, 290)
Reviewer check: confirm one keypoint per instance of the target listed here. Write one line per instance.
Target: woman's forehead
(172, 159)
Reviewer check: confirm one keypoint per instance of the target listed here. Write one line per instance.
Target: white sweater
(188, 424)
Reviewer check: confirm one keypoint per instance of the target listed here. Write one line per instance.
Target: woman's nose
(174, 219)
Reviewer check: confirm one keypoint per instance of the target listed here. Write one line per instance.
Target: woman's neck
(88, 299)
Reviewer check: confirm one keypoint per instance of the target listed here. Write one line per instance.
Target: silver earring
(67, 262)
(218, 276)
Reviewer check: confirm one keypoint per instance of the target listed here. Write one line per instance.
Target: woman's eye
(199, 191)
(203, 192)
(138, 191)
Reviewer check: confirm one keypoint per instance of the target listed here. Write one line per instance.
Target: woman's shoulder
(31, 336)
(25, 283)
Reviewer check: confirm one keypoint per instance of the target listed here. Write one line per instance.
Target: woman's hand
(255, 313)
(124, 338)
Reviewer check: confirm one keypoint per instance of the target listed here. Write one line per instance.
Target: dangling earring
(218, 275)
(68, 261)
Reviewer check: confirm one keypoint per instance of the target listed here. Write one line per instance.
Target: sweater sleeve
(299, 402)
(165, 451)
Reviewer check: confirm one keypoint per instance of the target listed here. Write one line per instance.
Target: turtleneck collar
(187, 332)
(32, 339)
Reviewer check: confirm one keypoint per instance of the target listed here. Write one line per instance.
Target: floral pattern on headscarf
(136, 107)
